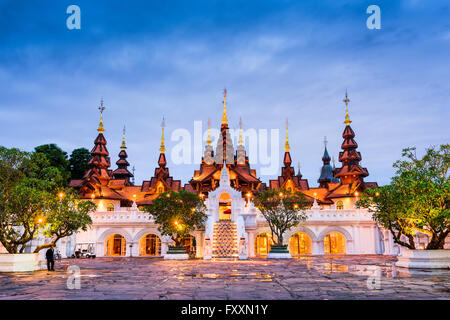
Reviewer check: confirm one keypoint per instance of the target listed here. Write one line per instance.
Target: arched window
(300, 243)
(160, 190)
(335, 243)
(149, 245)
(339, 205)
(115, 245)
(110, 207)
(262, 244)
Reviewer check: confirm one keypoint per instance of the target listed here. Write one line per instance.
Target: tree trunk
(437, 242)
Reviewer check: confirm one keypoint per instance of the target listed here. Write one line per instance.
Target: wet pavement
(318, 277)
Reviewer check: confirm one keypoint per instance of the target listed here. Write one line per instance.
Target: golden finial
(241, 140)
(347, 117)
(123, 146)
(162, 148)
(286, 145)
(209, 140)
(224, 117)
(100, 128)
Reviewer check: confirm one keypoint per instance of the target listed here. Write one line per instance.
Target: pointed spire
(299, 172)
(162, 148)
(326, 172)
(224, 176)
(347, 117)
(351, 171)
(326, 157)
(286, 144)
(241, 140)
(123, 146)
(224, 116)
(209, 140)
(100, 128)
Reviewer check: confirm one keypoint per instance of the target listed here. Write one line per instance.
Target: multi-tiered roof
(101, 182)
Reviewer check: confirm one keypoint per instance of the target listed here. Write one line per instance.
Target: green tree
(177, 214)
(78, 162)
(26, 183)
(28, 206)
(282, 209)
(416, 200)
(57, 158)
(65, 215)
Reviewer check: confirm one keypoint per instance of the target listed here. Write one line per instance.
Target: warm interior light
(356, 193)
(377, 194)
(315, 194)
(93, 196)
(280, 194)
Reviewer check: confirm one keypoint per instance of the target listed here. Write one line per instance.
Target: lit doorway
(335, 243)
(224, 207)
(150, 245)
(300, 244)
(262, 244)
(115, 245)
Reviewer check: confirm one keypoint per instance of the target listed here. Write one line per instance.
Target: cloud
(294, 61)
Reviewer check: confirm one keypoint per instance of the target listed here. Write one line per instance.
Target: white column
(315, 247)
(251, 244)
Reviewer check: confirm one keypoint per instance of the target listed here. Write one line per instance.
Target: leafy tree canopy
(57, 158)
(78, 162)
(177, 214)
(28, 195)
(282, 209)
(416, 200)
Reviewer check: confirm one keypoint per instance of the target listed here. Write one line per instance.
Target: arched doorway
(150, 245)
(263, 242)
(225, 207)
(115, 245)
(335, 243)
(189, 243)
(300, 243)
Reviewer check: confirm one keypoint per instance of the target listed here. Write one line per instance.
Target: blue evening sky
(277, 59)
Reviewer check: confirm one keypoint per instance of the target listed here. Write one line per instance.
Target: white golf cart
(84, 250)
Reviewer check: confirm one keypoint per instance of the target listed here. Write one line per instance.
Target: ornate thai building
(226, 182)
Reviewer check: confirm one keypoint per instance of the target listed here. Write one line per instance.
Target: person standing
(50, 256)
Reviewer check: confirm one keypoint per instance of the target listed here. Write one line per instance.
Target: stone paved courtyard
(338, 277)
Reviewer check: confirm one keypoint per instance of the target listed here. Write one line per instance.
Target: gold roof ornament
(162, 148)
(100, 128)
(123, 146)
(224, 117)
(286, 144)
(209, 140)
(241, 139)
(347, 117)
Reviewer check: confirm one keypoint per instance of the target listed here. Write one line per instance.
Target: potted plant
(177, 214)
(417, 201)
(283, 210)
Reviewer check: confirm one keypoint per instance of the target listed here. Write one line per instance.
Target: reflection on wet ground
(306, 277)
(367, 266)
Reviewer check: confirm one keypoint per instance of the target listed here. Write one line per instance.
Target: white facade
(361, 233)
